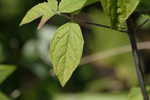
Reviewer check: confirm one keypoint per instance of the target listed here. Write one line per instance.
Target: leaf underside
(66, 50)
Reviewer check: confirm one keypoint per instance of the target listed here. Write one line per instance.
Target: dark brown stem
(136, 55)
(91, 23)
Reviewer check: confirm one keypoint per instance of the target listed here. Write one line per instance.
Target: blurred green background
(104, 78)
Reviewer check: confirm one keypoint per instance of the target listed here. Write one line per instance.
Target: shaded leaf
(144, 5)
(119, 10)
(5, 71)
(3, 97)
(68, 6)
(66, 51)
(89, 2)
(146, 16)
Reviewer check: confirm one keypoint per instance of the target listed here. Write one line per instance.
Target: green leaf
(146, 16)
(135, 94)
(53, 4)
(89, 2)
(68, 6)
(42, 9)
(144, 5)
(5, 71)
(3, 97)
(66, 50)
(119, 10)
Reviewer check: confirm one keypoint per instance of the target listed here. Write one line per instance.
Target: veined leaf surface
(66, 50)
(42, 9)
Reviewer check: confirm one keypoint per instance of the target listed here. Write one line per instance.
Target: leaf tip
(63, 82)
(21, 24)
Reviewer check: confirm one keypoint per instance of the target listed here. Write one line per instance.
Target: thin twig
(92, 23)
(104, 26)
(141, 25)
(137, 60)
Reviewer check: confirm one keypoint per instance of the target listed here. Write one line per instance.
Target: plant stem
(91, 23)
(103, 26)
(137, 60)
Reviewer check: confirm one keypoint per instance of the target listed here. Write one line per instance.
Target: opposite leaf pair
(67, 44)
(51, 8)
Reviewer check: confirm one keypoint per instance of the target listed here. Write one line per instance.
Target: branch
(137, 58)
(104, 26)
(90, 23)
(141, 25)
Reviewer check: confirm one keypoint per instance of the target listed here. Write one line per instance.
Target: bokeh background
(106, 72)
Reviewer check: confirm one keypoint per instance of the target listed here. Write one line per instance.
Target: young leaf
(42, 9)
(119, 10)
(68, 6)
(66, 50)
(5, 71)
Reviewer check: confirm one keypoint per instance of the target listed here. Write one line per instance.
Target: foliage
(5, 71)
(3, 97)
(119, 11)
(135, 94)
(66, 50)
(42, 54)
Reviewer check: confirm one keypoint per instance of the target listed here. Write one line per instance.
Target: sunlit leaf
(66, 50)
(5, 71)
(68, 6)
(42, 9)
(53, 4)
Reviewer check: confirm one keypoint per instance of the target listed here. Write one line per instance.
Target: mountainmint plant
(67, 44)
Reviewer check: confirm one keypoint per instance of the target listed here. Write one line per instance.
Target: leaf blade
(68, 6)
(119, 10)
(5, 71)
(3, 97)
(42, 9)
(53, 4)
(66, 51)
